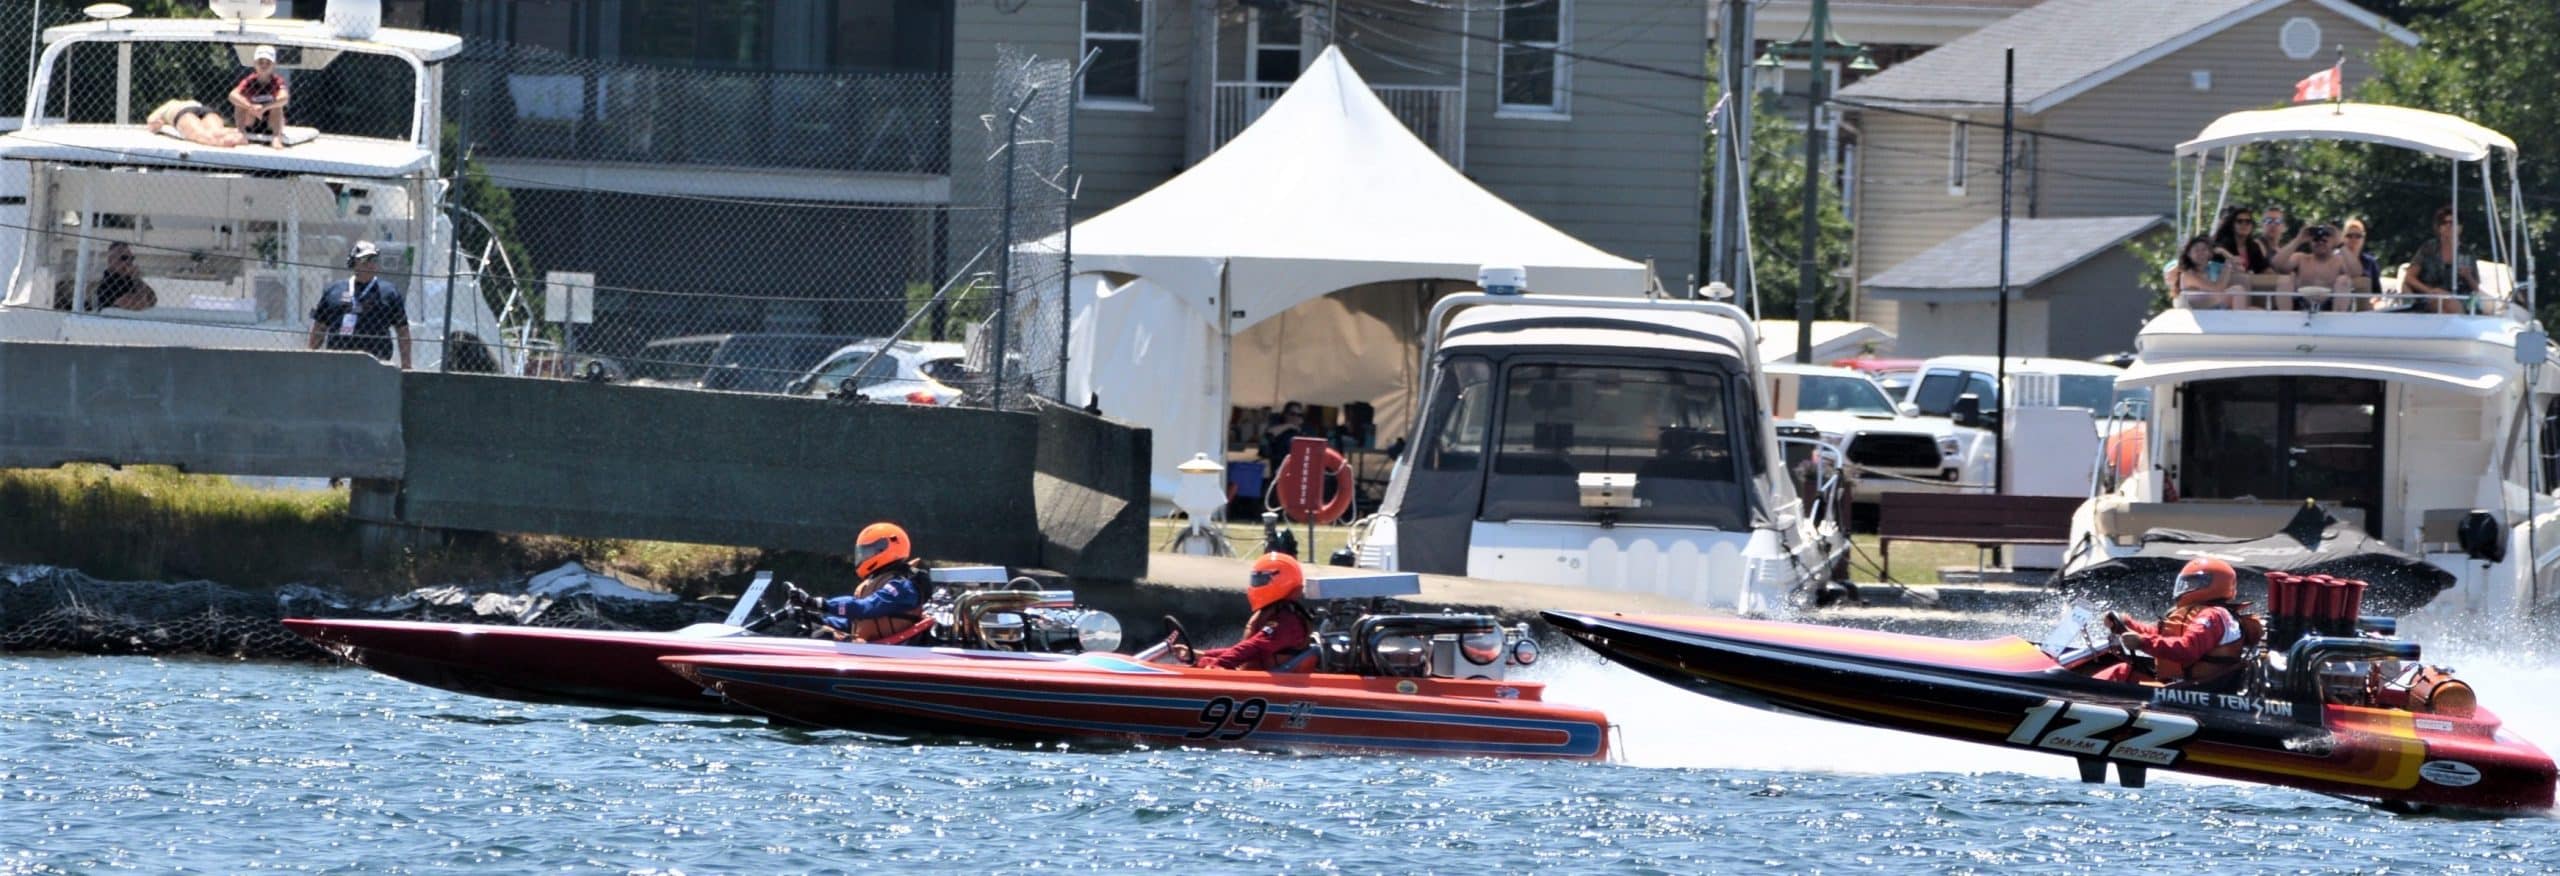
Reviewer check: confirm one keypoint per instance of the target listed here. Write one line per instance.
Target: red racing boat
(2337, 711)
(1409, 684)
(620, 670)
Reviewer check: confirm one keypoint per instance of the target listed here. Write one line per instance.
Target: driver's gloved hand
(2129, 641)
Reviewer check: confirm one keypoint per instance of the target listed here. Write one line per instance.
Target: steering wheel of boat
(1179, 635)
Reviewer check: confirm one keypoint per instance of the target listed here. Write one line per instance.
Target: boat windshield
(1672, 428)
(1832, 392)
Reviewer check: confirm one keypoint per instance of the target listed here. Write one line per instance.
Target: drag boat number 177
(2332, 703)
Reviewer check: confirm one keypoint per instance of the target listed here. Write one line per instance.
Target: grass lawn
(1913, 562)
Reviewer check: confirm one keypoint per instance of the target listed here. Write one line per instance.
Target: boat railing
(2325, 300)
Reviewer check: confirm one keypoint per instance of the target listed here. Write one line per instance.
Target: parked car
(1895, 375)
(736, 362)
(1857, 417)
(910, 372)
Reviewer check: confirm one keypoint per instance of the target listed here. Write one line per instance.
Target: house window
(1275, 55)
(1956, 137)
(1535, 78)
(1115, 34)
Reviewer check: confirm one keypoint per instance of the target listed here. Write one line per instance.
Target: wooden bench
(1978, 519)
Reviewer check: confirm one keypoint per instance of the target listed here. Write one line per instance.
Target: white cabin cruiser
(237, 242)
(1614, 444)
(2431, 431)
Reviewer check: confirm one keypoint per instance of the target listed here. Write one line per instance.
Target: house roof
(2066, 47)
(2039, 249)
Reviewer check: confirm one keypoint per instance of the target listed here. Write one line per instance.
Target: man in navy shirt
(363, 312)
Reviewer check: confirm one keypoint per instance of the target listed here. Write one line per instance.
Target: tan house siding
(1623, 170)
(2158, 106)
(1903, 202)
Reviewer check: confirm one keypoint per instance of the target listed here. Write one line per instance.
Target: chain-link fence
(865, 235)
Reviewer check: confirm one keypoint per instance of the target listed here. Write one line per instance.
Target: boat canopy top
(2467, 377)
(425, 46)
(2433, 133)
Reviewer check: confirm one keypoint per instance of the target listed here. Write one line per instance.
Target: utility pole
(1815, 43)
(2000, 385)
(1807, 272)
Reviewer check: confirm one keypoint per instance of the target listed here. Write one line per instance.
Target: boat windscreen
(1672, 428)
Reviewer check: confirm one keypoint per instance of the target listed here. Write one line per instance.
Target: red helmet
(2206, 579)
(879, 545)
(1275, 577)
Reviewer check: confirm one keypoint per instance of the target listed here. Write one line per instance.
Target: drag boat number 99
(2077, 728)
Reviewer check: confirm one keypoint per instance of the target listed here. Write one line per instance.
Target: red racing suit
(1279, 635)
(2193, 644)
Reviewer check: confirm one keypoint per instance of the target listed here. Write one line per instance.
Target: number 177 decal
(2075, 728)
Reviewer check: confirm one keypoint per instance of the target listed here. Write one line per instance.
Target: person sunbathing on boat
(890, 598)
(1280, 628)
(194, 122)
(2202, 641)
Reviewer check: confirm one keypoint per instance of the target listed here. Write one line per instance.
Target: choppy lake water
(134, 764)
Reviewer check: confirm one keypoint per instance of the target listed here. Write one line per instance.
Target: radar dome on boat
(242, 10)
(354, 19)
(1503, 279)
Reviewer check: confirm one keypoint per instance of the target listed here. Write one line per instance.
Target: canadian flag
(2327, 84)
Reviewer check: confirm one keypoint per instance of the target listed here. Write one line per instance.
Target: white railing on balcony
(1433, 112)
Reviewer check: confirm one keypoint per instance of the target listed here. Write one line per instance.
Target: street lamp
(1816, 42)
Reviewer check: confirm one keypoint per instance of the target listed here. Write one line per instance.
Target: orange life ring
(1299, 488)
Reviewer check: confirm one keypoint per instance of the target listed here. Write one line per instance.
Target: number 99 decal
(2075, 728)
(1229, 720)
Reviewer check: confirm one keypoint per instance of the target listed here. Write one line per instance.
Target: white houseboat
(236, 242)
(2427, 421)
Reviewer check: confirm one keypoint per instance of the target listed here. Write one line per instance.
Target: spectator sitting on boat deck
(2351, 241)
(2323, 276)
(2199, 280)
(1280, 628)
(362, 312)
(2440, 271)
(259, 100)
(889, 600)
(121, 285)
(195, 122)
(2236, 243)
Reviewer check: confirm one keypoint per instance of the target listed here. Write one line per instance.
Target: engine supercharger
(1299, 487)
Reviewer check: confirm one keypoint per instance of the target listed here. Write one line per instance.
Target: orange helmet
(2206, 579)
(1275, 577)
(879, 545)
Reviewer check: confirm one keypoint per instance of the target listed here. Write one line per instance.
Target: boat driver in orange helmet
(1280, 628)
(2201, 641)
(891, 595)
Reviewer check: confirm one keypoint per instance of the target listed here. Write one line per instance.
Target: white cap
(264, 53)
(364, 249)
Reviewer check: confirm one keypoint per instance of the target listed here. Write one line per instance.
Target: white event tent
(1294, 264)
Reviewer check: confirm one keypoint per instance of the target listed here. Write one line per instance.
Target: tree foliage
(1777, 223)
(1776, 202)
(2490, 61)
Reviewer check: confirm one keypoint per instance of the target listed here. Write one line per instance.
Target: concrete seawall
(1052, 488)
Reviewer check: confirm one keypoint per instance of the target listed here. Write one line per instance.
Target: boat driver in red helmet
(1280, 628)
(2201, 641)
(891, 596)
